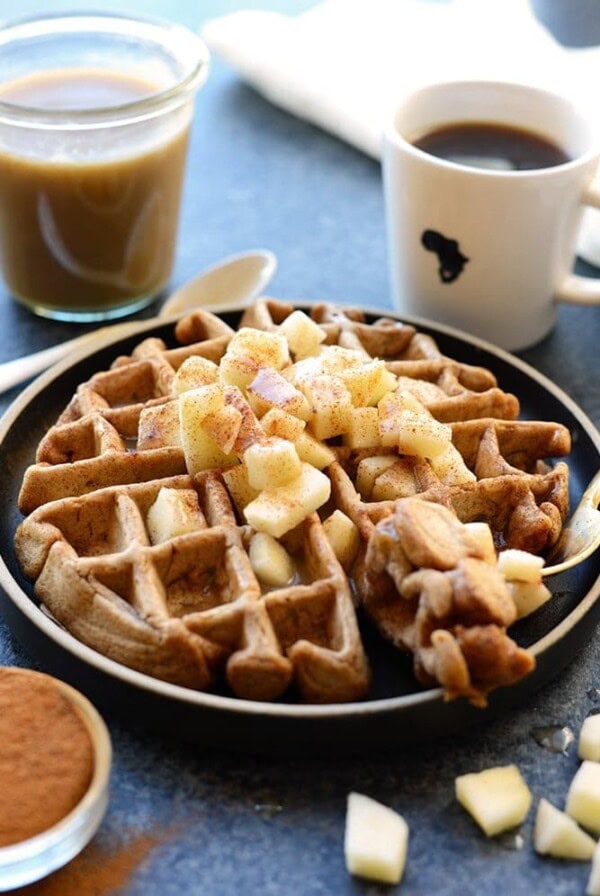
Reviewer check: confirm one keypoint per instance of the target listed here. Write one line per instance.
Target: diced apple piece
(363, 431)
(174, 512)
(375, 841)
(408, 401)
(270, 561)
(236, 480)
(196, 404)
(398, 481)
(392, 408)
(589, 738)
(343, 537)
(422, 390)
(271, 463)
(368, 383)
(200, 450)
(250, 428)
(451, 468)
(283, 508)
(357, 381)
(389, 409)
(335, 359)
(383, 383)
(285, 426)
(224, 427)
(267, 349)
(482, 534)
(303, 335)
(528, 596)
(159, 426)
(238, 370)
(583, 798)
(593, 885)
(368, 471)
(313, 452)
(557, 835)
(302, 370)
(497, 798)
(269, 389)
(195, 371)
(202, 453)
(423, 436)
(389, 430)
(330, 404)
(520, 566)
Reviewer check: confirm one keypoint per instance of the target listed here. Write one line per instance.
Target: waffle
(188, 608)
(192, 611)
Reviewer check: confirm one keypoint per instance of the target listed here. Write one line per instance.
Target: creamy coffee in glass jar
(93, 143)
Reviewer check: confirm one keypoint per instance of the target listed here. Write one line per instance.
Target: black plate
(397, 711)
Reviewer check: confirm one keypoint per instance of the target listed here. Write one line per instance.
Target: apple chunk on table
(375, 841)
(497, 798)
(589, 738)
(583, 798)
(557, 835)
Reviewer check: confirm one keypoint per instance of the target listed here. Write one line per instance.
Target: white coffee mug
(489, 251)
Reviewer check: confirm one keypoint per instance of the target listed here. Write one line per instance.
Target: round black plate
(398, 710)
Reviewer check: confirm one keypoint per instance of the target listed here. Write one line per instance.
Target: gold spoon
(581, 534)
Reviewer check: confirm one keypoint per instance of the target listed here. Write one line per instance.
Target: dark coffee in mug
(495, 146)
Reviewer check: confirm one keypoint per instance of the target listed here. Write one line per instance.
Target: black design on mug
(451, 259)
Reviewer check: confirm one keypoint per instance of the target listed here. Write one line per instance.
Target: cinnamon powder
(98, 871)
(46, 755)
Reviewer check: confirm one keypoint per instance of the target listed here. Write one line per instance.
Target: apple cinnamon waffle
(217, 510)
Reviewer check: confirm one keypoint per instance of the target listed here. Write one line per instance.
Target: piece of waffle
(450, 389)
(102, 420)
(454, 606)
(185, 609)
(524, 505)
(100, 467)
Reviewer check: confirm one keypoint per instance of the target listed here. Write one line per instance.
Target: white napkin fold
(344, 64)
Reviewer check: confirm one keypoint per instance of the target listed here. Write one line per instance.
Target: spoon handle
(14, 372)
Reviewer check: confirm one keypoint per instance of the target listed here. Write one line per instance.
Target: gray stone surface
(234, 824)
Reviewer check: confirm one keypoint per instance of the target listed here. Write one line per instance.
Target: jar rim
(182, 41)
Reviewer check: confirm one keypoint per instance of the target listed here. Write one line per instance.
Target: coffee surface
(64, 89)
(88, 220)
(493, 146)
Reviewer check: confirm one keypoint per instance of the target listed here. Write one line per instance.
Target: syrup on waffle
(190, 608)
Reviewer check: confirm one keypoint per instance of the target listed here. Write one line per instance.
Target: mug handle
(582, 290)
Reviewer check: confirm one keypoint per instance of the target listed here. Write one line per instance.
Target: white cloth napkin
(343, 64)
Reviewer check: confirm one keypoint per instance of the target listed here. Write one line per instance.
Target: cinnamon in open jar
(46, 755)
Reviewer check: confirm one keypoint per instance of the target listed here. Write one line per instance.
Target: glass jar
(95, 113)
